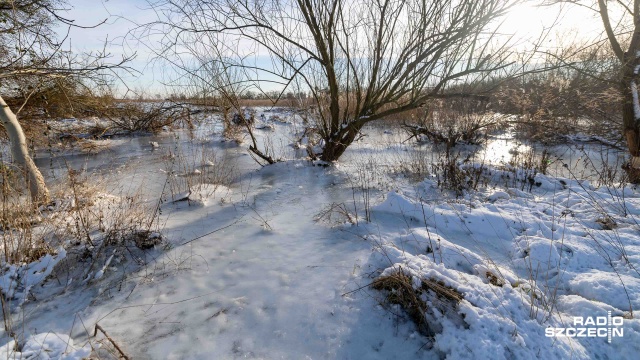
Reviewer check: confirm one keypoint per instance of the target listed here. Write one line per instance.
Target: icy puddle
(274, 284)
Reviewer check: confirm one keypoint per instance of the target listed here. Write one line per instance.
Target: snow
(496, 322)
(17, 280)
(248, 273)
(564, 264)
(46, 346)
(498, 195)
(100, 272)
(608, 288)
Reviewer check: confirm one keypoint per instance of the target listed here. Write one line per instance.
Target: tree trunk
(630, 65)
(35, 180)
(336, 145)
(633, 167)
(631, 120)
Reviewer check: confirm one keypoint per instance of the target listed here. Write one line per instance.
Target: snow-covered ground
(256, 268)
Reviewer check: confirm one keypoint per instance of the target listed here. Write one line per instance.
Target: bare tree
(621, 31)
(32, 53)
(361, 61)
(209, 73)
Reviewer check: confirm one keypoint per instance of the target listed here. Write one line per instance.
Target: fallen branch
(95, 333)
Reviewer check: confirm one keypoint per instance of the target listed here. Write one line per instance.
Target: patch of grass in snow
(96, 232)
(335, 214)
(542, 239)
(415, 296)
(452, 175)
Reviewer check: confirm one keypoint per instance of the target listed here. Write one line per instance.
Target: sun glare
(525, 20)
(528, 22)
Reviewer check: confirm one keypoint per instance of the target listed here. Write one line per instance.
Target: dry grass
(81, 213)
(453, 122)
(335, 214)
(494, 279)
(187, 169)
(415, 164)
(92, 227)
(401, 291)
(148, 117)
(267, 102)
(452, 173)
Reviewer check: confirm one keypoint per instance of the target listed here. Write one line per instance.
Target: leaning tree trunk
(35, 180)
(631, 121)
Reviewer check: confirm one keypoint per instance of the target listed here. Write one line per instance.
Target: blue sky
(122, 15)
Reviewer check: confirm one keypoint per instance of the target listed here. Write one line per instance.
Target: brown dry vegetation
(400, 290)
(559, 102)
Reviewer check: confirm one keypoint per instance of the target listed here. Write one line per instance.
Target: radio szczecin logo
(593, 327)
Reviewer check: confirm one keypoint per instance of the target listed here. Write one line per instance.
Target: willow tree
(620, 21)
(31, 55)
(629, 60)
(361, 61)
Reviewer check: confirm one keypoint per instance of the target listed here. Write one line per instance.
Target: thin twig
(214, 231)
(95, 332)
